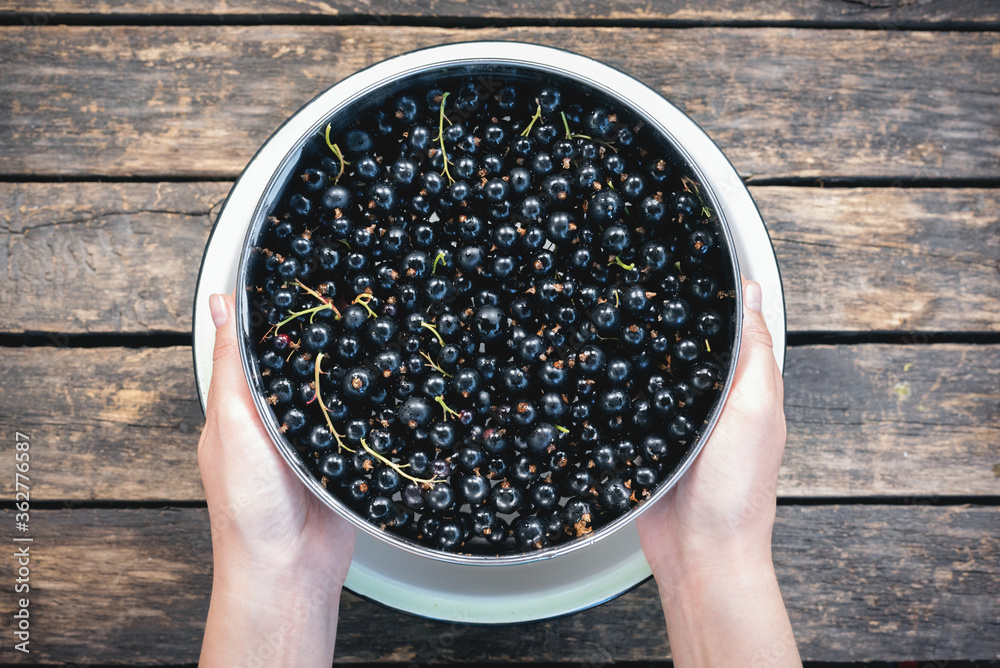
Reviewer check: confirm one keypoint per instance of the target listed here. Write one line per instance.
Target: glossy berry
(529, 532)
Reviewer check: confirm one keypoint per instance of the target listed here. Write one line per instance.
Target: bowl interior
(490, 74)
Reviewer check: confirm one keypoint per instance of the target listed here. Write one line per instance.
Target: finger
(230, 405)
(226, 356)
(757, 391)
(756, 345)
(753, 317)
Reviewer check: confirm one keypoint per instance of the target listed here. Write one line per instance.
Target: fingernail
(752, 296)
(220, 312)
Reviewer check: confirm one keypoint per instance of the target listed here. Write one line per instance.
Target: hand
(280, 555)
(708, 541)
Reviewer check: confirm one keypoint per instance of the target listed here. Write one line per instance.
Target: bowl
(488, 68)
(395, 574)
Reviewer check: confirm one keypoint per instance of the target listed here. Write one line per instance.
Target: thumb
(755, 332)
(226, 356)
(228, 385)
(231, 418)
(758, 380)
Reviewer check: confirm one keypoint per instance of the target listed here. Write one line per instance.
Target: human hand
(280, 555)
(708, 541)
(727, 498)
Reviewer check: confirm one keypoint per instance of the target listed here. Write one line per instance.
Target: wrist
(672, 554)
(725, 608)
(278, 580)
(700, 572)
(272, 617)
(317, 562)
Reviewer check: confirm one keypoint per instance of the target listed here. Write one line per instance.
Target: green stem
(337, 152)
(434, 330)
(439, 258)
(293, 316)
(447, 409)
(318, 296)
(325, 410)
(399, 468)
(562, 429)
(605, 144)
(692, 186)
(364, 298)
(434, 366)
(531, 124)
(617, 260)
(570, 135)
(444, 153)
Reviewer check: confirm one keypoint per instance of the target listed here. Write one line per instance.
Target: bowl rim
(281, 153)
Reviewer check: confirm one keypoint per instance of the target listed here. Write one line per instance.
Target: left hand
(281, 556)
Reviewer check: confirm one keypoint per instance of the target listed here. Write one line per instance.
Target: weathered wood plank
(118, 257)
(191, 101)
(105, 423)
(887, 258)
(863, 420)
(883, 14)
(851, 259)
(880, 419)
(860, 583)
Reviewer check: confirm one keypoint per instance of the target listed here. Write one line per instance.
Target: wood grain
(860, 583)
(198, 101)
(123, 424)
(124, 257)
(116, 257)
(881, 419)
(875, 13)
(888, 258)
(105, 423)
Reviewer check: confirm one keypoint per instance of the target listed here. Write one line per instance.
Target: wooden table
(868, 131)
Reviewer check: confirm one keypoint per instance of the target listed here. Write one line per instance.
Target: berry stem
(606, 144)
(337, 152)
(692, 186)
(325, 305)
(563, 430)
(399, 468)
(571, 135)
(617, 260)
(438, 258)
(318, 296)
(447, 409)
(298, 314)
(364, 299)
(444, 153)
(434, 331)
(531, 124)
(434, 366)
(326, 412)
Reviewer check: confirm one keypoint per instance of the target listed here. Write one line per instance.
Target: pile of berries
(491, 318)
